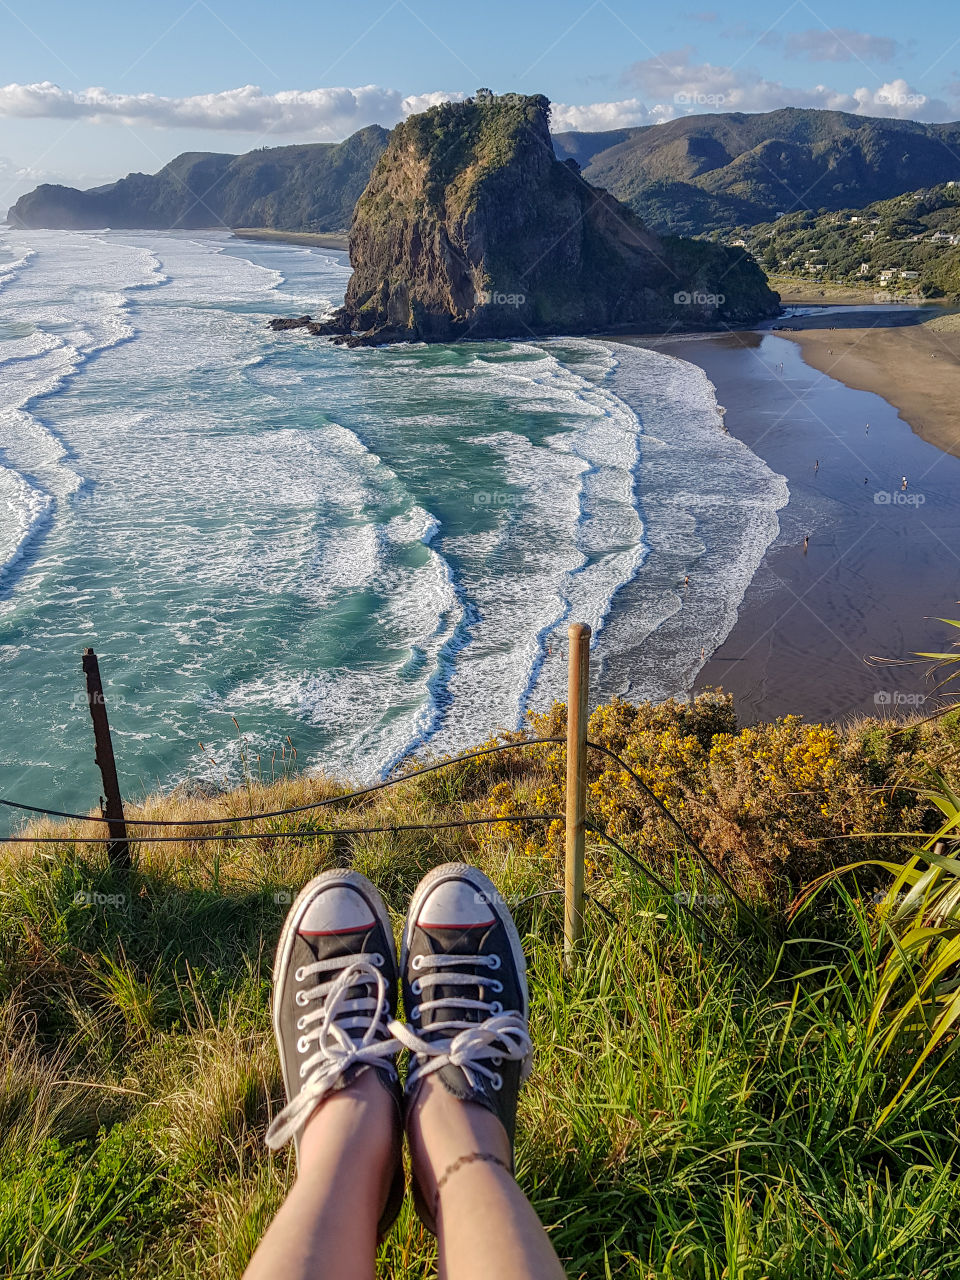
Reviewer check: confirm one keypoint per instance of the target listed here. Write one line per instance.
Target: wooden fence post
(578, 685)
(118, 849)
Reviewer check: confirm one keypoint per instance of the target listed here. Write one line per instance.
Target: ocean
(365, 553)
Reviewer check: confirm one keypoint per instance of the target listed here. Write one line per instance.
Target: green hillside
(910, 244)
(313, 187)
(699, 173)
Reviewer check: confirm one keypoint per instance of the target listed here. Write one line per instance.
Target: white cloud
(319, 113)
(16, 179)
(596, 116)
(671, 85)
(839, 44)
(690, 87)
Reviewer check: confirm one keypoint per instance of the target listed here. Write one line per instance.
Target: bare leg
(485, 1224)
(327, 1226)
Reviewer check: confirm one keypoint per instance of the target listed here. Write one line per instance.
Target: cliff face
(301, 188)
(470, 227)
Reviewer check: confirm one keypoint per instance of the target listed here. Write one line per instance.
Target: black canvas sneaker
(465, 994)
(334, 1000)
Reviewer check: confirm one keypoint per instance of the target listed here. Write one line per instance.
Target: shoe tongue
(447, 941)
(451, 941)
(328, 948)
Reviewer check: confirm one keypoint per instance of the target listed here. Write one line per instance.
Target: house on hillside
(864, 268)
(909, 275)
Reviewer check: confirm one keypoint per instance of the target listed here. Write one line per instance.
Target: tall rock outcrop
(471, 227)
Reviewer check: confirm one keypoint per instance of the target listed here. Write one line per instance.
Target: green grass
(691, 1114)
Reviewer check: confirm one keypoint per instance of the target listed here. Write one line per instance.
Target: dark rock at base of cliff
(291, 322)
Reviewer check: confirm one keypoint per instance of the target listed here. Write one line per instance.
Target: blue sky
(91, 91)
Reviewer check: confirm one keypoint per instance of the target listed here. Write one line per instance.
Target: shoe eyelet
(493, 962)
(377, 960)
(497, 1059)
(299, 975)
(302, 1072)
(301, 998)
(497, 1082)
(495, 985)
(301, 1023)
(496, 1007)
(416, 962)
(416, 986)
(302, 1045)
(415, 1013)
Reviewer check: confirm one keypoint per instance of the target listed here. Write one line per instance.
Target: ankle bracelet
(458, 1164)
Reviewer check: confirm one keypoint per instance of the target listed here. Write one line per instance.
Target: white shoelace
(477, 1048)
(330, 1029)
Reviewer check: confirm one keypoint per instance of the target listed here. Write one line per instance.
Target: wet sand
(882, 561)
(916, 369)
(317, 239)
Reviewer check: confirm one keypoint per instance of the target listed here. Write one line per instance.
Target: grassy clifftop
(698, 1106)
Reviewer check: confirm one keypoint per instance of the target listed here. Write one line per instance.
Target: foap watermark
(283, 897)
(486, 898)
(93, 898)
(497, 498)
(688, 98)
(698, 299)
(494, 298)
(97, 699)
(895, 698)
(899, 498)
(889, 97)
(687, 899)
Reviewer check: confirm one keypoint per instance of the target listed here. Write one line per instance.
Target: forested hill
(698, 173)
(312, 187)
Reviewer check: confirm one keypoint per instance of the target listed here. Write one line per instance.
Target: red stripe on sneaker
(331, 933)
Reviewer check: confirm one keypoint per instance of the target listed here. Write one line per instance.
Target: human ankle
(357, 1128)
(443, 1129)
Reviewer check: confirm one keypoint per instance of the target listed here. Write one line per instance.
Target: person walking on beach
(903, 483)
(816, 466)
(335, 985)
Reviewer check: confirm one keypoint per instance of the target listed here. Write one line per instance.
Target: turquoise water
(364, 552)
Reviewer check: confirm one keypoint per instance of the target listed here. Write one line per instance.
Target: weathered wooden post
(578, 686)
(111, 804)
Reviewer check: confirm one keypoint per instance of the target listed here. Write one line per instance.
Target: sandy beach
(915, 368)
(317, 240)
(862, 567)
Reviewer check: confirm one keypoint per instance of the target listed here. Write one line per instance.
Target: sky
(92, 91)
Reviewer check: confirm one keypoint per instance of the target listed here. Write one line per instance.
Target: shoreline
(914, 369)
(315, 239)
(859, 568)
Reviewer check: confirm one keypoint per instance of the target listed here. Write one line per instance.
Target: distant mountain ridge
(311, 187)
(701, 173)
(689, 176)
